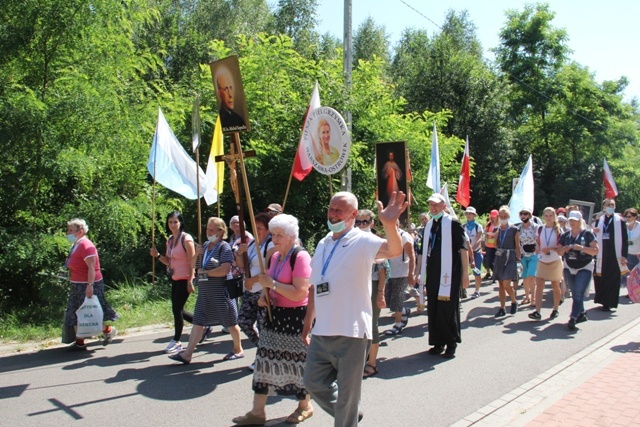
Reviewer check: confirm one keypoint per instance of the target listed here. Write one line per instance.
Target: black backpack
(292, 259)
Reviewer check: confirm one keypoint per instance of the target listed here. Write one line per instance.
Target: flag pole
(330, 187)
(153, 208)
(284, 203)
(198, 190)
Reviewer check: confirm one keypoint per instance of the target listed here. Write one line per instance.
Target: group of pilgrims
(439, 257)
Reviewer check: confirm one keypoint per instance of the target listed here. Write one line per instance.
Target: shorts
(477, 259)
(529, 266)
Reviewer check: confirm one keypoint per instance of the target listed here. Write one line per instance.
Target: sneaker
(225, 330)
(501, 313)
(582, 318)
(535, 316)
(173, 347)
(572, 324)
(252, 367)
(475, 295)
(554, 314)
(108, 337)
(514, 308)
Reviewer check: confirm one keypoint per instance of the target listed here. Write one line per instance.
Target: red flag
(301, 164)
(463, 195)
(610, 188)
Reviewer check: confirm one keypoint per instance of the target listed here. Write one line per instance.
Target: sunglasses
(363, 222)
(630, 216)
(524, 213)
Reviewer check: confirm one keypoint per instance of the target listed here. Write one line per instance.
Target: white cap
(562, 218)
(437, 197)
(575, 215)
(472, 210)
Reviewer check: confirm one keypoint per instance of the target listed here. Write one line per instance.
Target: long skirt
(76, 298)
(281, 354)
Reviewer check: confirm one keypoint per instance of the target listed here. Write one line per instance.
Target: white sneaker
(173, 347)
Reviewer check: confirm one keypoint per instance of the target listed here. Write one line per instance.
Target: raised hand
(397, 204)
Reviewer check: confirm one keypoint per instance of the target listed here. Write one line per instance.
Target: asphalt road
(131, 382)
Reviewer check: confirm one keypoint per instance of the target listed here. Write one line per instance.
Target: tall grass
(137, 302)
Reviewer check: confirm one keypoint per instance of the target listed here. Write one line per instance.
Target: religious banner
(327, 141)
(391, 172)
(232, 105)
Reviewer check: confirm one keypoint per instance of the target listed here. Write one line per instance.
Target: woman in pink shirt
(180, 261)
(86, 280)
(282, 353)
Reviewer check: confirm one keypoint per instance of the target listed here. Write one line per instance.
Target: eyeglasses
(630, 216)
(524, 213)
(362, 222)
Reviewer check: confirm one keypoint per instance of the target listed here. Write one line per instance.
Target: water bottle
(582, 241)
(519, 268)
(476, 271)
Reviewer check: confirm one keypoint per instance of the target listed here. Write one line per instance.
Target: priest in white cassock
(444, 267)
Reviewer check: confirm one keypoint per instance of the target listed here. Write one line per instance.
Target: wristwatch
(275, 285)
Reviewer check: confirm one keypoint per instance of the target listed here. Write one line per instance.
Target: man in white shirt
(340, 303)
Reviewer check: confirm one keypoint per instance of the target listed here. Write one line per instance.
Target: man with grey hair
(340, 303)
(229, 119)
(444, 267)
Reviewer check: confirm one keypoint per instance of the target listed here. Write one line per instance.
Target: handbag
(89, 318)
(234, 287)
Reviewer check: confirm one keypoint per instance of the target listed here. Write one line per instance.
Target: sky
(604, 36)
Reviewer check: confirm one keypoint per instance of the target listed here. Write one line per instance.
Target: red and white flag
(463, 195)
(610, 188)
(301, 164)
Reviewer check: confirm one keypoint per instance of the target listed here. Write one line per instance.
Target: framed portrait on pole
(391, 172)
(232, 104)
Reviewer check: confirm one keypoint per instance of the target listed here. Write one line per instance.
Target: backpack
(181, 240)
(292, 259)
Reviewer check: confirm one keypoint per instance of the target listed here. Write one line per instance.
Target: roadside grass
(137, 302)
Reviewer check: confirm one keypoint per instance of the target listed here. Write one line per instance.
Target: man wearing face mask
(611, 261)
(340, 303)
(444, 265)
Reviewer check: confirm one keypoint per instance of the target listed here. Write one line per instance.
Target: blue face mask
(338, 227)
(438, 216)
(610, 210)
(72, 238)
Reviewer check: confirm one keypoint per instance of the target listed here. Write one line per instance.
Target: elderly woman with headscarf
(282, 353)
(86, 280)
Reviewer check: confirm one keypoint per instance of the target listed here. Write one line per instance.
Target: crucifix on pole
(235, 156)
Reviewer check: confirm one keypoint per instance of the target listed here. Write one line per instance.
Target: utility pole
(347, 67)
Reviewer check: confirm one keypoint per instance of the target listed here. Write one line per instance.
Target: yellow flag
(215, 170)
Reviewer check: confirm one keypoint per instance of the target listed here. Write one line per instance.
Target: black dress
(444, 316)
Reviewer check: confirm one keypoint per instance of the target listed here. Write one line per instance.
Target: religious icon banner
(232, 104)
(391, 172)
(326, 139)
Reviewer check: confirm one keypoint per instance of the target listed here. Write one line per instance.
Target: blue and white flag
(170, 164)
(522, 196)
(433, 179)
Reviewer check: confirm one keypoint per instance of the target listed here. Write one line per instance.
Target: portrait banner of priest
(232, 104)
(391, 172)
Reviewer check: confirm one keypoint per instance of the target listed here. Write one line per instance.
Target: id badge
(202, 276)
(605, 236)
(572, 255)
(322, 289)
(499, 252)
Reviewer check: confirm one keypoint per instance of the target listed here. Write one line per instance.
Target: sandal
(249, 420)
(394, 331)
(233, 356)
(178, 358)
(369, 371)
(299, 415)
(525, 301)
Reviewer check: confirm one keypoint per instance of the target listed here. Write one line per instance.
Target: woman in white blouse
(633, 230)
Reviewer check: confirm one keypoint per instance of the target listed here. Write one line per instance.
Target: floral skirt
(281, 354)
(76, 299)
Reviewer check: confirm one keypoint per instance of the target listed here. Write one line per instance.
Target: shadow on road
(632, 347)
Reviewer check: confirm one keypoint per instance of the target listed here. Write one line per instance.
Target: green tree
(370, 41)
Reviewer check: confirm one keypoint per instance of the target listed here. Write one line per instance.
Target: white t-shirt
(400, 264)
(548, 239)
(346, 310)
(634, 239)
(254, 264)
